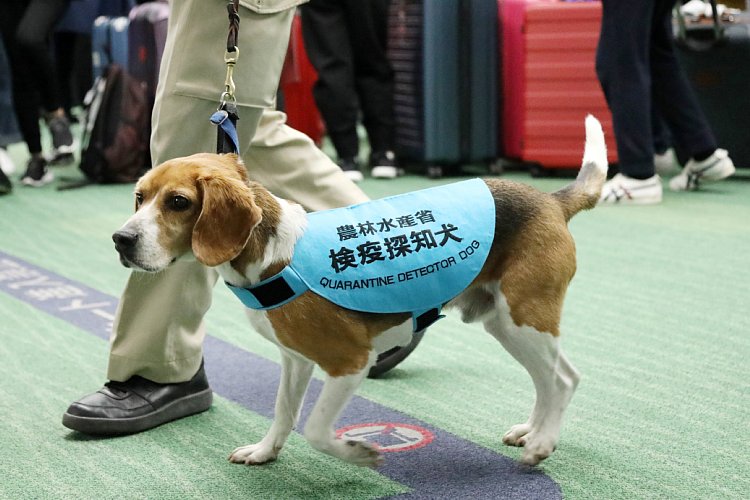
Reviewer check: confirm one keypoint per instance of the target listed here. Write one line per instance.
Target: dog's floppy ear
(227, 217)
(234, 162)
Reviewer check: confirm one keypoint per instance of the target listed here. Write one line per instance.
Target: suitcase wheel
(496, 167)
(434, 171)
(537, 170)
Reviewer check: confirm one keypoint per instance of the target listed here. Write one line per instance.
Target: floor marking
(388, 437)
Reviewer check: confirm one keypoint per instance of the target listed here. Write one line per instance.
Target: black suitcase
(716, 59)
(147, 33)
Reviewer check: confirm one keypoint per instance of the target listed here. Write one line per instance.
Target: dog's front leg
(295, 377)
(319, 429)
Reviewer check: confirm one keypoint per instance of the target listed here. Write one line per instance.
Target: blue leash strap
(226, 135)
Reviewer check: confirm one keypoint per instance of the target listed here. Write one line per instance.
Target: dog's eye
(138, 199)
(179, 203)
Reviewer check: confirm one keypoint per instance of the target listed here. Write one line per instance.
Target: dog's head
(199, 206)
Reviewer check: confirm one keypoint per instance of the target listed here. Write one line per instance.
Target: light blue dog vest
(405, 253)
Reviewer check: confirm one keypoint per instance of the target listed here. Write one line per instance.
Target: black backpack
(115, 138)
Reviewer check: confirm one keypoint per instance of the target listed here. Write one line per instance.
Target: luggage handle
(700, 45)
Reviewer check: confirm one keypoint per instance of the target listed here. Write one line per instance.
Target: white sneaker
(386, 172)
(623, 190)
(666, 163)
(384, 166)
(350, 167)
(716, 167)
(6, 162)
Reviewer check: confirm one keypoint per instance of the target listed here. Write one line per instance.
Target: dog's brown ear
(227, 217)
(234, 162)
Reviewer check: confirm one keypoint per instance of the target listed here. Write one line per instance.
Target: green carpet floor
(656, 320)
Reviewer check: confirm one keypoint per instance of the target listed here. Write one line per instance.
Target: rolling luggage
(109, 43)
(717, 62)
(147, 34)
(549, 81)
(446, 90)
(297, 79)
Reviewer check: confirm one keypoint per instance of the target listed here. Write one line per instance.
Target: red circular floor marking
(388, 437)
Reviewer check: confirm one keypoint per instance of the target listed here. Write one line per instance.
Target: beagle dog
(203, 207)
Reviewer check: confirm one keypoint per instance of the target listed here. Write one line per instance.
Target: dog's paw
(537, 447)
(514, 437)
(254, 454)
(360, 453)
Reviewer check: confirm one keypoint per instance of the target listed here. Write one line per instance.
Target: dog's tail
(585, 191)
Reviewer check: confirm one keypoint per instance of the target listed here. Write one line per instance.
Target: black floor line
(446, 467)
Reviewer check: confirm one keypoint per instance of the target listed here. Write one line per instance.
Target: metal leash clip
(230, 58)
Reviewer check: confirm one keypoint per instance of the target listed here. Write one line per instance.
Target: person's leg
(672, 93)
(8, 124)
(83, 71)
(677, 102)
(156, 348)
(368, 22)
(64, 44)
(328, 45)
(25, 98)
(288, 163)
(157, 335)
(26, 102)
(32, 38)
(190, 83)
(32, 35)
(666, 157)
(623, 68)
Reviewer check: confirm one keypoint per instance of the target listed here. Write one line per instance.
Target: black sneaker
(350, 166)
(5, 186)
(138, 404)
(62, 139)
(383, 165)
(36, 173)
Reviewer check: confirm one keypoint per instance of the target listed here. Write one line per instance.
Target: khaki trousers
(158, 331)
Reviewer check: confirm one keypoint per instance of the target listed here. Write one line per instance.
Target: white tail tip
(596, 149)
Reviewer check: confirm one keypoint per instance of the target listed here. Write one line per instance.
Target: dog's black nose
(124, 240)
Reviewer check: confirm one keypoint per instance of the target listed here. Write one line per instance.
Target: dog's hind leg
(295, 377)
(319, 429)
(555, 381)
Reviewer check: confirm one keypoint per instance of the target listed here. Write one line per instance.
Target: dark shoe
(36, 173)
(389, 359)
(350, 166)
(137, 404)
(383, 165)
(5, 186)
(62, 139)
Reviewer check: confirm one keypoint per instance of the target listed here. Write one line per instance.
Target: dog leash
(225, 117)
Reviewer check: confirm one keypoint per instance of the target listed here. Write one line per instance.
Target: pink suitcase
(549, 81)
